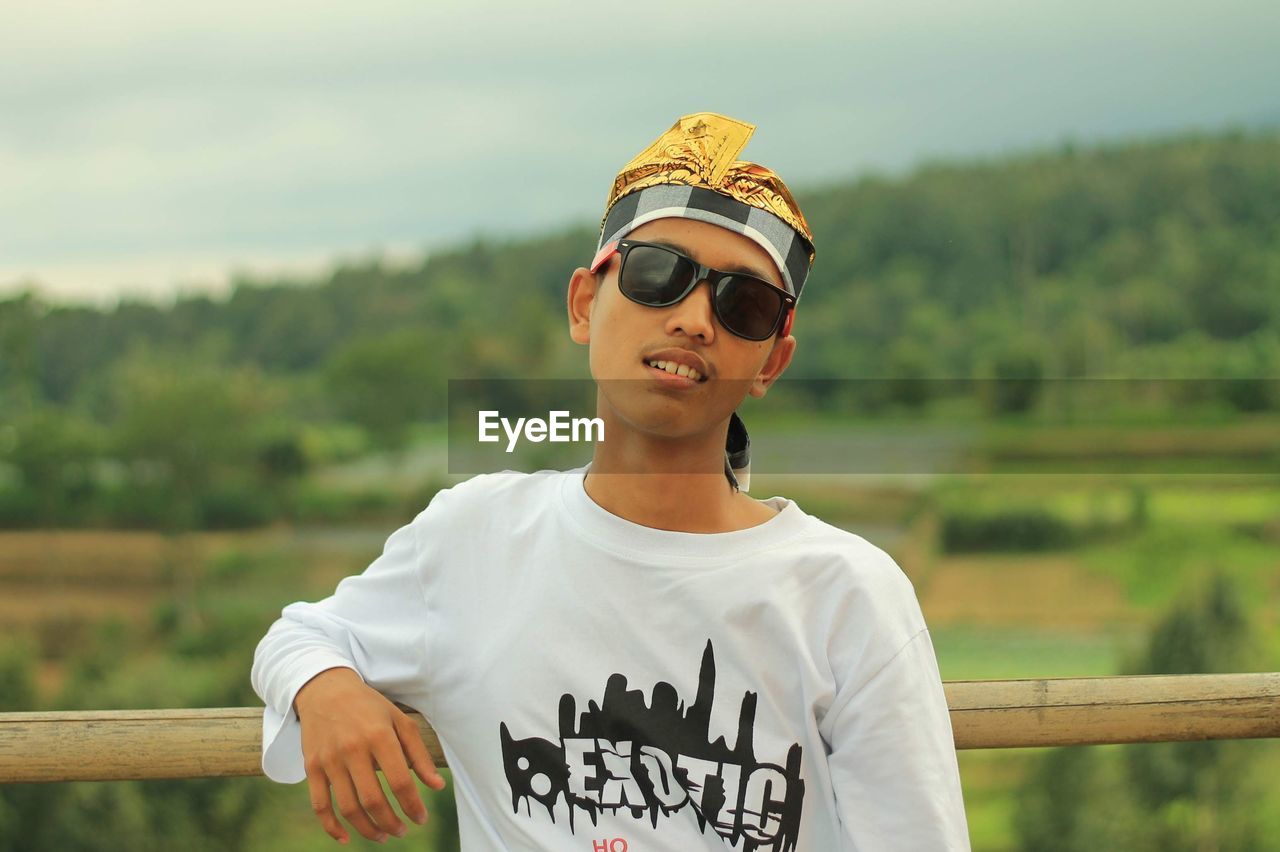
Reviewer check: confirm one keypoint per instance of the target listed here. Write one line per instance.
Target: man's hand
(348, 730)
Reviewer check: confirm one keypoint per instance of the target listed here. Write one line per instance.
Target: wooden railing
(111, 745)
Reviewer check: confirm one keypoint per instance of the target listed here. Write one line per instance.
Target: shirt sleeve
(374, 623)
(893, 759)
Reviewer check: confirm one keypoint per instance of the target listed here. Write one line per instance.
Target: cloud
(135, 130)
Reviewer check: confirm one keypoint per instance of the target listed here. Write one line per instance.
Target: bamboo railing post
(113, 745)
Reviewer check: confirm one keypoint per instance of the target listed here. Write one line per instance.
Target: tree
(1195, 792)
(911, 373)
(387, 382)
(19, 319)
(53, 450)
(185, 426)
(25, 809)
(1171, 797)
(1012, 378)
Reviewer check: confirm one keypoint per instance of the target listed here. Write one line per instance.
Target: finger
(373, 799)
(391, 761)
(344, 790)
(321, 803)
(416, 749)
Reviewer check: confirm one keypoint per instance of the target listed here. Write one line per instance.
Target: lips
(673, 369)
(679, 363)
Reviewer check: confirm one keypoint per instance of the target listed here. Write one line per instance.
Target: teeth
(677, 369)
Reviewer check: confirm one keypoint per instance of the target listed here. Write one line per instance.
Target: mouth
(670, 371)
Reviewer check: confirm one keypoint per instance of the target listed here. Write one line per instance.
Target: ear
(582, 297)
(774, 366)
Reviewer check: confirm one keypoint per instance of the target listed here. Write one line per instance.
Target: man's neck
(654, 487)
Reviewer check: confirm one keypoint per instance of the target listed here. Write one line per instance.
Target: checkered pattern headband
(789, 250)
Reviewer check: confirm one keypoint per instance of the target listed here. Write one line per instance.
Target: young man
(636, 655)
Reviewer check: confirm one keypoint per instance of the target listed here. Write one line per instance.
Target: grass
(1039, 590)
(1155, 563)
(289, 825)
(1082, 498)
(1248, 437)
(1000, 653)
(988, 779)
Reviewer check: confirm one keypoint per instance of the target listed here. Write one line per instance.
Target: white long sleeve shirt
(597, 684)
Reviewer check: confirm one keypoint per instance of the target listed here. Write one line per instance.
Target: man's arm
(893, 759)
(322, 670)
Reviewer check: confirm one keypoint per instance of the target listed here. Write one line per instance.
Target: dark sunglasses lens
(748, 307)
(654, 276)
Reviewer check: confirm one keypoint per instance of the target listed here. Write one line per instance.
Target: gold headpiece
(700, 150)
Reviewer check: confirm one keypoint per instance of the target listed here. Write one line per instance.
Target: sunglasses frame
(701, 273)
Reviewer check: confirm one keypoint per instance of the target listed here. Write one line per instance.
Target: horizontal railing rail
(115, 745)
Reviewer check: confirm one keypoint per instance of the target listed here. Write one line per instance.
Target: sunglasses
(659, 276)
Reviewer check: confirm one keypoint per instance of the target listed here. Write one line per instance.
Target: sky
(149, 149)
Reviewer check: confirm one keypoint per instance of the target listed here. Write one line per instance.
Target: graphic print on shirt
(658, 759)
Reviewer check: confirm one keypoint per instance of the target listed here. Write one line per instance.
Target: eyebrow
(745, 270)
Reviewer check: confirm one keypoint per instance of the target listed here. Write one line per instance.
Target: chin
(655, 415)
(661, 416)
(660, 424)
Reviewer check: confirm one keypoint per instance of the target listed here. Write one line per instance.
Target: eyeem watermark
(895, 426)
(559, 428)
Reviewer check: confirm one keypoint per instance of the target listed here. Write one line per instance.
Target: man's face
(626, 337)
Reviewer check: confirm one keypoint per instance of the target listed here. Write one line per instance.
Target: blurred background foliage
(171, 475)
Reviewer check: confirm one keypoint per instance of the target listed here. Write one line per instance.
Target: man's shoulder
(821, 535)
(852, 556)
(861, 581)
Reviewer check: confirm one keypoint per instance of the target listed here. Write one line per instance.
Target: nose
(693, 315)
